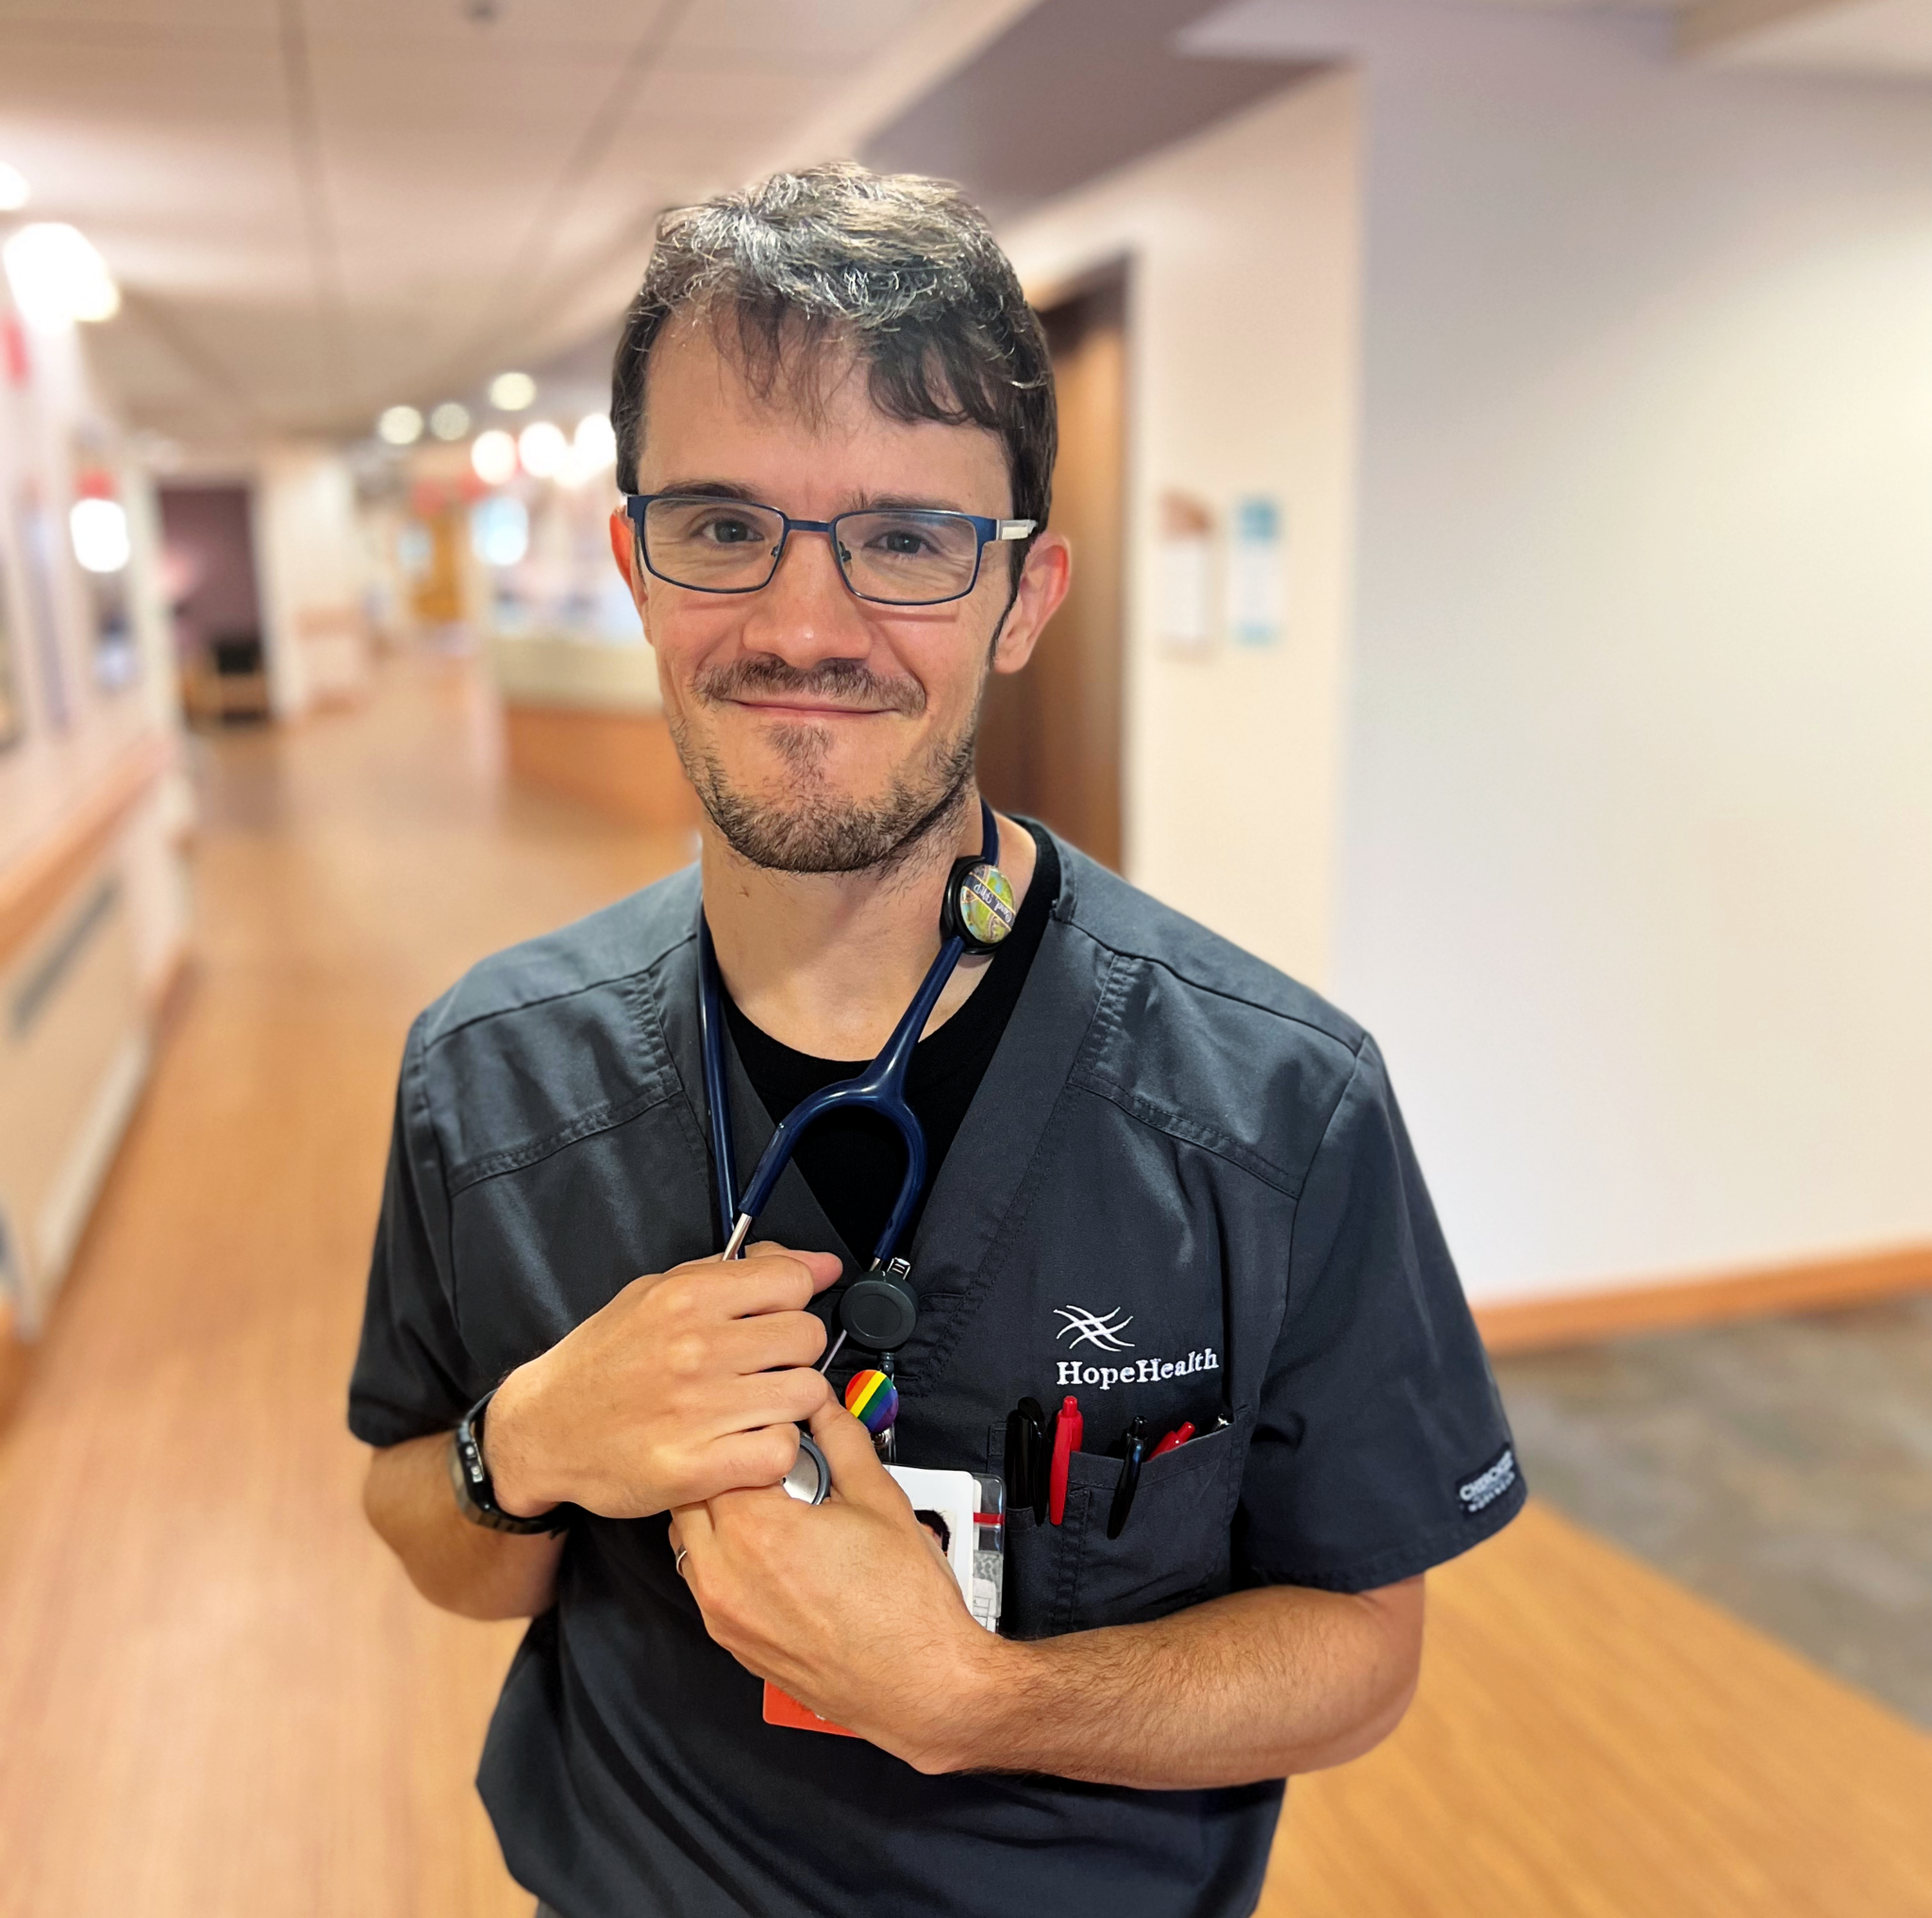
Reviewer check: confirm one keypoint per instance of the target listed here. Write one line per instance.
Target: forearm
(1256, 1685)
(462, 1567)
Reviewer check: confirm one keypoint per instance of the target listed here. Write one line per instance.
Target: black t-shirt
(854, 1161)
(1183, 1191)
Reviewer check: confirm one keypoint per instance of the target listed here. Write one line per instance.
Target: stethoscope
(879, 1309)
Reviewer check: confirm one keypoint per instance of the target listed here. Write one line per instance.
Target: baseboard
(1808, 1286)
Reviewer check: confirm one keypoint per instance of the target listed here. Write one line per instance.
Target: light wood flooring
(219, 1699)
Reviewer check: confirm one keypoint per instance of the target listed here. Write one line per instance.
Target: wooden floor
(218, 1699)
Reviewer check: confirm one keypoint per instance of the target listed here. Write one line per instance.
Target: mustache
(841, 682)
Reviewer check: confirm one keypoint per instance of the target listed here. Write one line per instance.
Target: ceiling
(317, 208)
(1008, 123)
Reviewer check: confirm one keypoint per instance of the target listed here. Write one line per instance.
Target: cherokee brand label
(1490, 1484)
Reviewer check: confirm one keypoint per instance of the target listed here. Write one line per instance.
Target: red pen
(1179, 1436)
(1067, 1428)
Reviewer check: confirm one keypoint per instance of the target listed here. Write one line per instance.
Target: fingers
(825, 1266)
(751, 1460)
(858, 1476)
(770, 1398)
(771, 1338)
(772, 1282)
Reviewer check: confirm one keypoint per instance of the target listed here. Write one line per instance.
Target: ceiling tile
(817, 30)
(520, 28)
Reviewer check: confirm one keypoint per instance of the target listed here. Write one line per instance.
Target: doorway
(1050, 737)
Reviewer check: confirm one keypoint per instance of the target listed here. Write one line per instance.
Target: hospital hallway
(219, 1696)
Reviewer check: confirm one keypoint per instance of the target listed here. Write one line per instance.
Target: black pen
(1134, 1448)
(1026, 1458)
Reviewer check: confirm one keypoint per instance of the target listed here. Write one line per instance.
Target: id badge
(966, 1511)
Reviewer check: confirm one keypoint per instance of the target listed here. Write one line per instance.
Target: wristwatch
(469, 1476)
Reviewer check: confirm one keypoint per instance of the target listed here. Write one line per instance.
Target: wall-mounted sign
(1184, 575)
(1257, 568)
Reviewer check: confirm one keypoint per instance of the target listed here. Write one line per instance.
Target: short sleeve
(1380, 1446)
(414, 1374)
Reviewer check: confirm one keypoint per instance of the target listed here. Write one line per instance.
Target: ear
(624, 549)
(1044, 582)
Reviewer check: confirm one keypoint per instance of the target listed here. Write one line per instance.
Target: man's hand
(684, 1387)
(849, 1606)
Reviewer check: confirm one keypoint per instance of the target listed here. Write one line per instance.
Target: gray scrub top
(1182, 1191)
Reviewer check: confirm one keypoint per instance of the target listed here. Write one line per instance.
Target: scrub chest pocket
(1173, 1552)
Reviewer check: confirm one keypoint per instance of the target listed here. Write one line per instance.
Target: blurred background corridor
(1497, 439)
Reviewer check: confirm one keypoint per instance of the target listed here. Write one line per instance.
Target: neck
(825, 962)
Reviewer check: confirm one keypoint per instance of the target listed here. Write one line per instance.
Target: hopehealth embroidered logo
(1103, 1330)
(1093, 1328)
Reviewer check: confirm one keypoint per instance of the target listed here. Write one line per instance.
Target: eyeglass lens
(900, 557)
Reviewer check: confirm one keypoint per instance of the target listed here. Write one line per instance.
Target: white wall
(94, 935)
(1242, 328)
(311, 565)
(1635, 870)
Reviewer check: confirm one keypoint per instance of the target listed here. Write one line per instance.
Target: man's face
(824, 732)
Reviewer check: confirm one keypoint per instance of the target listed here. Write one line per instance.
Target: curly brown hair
(900, 269)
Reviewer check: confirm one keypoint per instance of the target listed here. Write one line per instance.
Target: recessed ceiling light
(400, 425)
(450, 421)
(495, 457)
(58, 277)
(13, 189)
(512, 392)
(542, 447)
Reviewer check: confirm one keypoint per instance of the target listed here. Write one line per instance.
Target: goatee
(805, 827)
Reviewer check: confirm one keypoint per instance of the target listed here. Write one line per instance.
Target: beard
(802, 825)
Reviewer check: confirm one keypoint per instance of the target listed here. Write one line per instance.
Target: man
(1164, 1181)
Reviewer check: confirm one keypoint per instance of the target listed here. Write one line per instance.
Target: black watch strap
(470, 1476)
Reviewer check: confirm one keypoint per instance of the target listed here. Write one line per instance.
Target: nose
(807, 613)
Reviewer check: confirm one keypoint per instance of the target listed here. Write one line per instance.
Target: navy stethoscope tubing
(880, 1088)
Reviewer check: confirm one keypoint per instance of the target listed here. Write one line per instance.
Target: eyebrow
(886, 502)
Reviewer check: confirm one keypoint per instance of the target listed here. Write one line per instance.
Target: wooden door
(1050, 737)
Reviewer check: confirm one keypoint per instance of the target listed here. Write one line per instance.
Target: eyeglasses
(896, 556)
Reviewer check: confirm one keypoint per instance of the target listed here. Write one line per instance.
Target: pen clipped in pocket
(1174, 1550)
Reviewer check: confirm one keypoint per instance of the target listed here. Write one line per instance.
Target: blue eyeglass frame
(989, 532)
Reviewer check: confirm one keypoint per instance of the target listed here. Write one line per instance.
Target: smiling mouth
(795, 708)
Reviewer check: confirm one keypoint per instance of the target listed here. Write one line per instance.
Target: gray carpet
(1782, 1467)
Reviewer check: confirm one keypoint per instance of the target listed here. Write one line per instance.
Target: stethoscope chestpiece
(978, 908)
(880, 1309)
(809, 1481)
